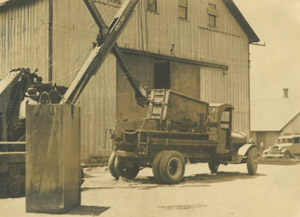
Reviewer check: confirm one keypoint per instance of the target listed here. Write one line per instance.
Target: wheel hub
(173, 166)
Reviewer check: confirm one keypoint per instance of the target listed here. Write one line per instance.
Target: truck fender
(284, 150)
(245, 148)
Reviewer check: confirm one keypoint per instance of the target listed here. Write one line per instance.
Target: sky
(277, 65)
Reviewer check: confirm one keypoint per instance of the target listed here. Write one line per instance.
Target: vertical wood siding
(74, 31)
(193, 39)
(24, 37)
(98, 111)
(185, 78)
(142, 67)
(265, 139)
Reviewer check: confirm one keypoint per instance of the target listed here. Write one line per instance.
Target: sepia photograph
(152, 108)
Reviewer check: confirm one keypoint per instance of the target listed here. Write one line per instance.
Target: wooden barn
(196, 47)
(274, 117)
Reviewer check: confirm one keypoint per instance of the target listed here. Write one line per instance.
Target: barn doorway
(162, 75)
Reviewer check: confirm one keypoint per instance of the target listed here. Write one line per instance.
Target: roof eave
(9, 3)
(297, 115)
(236, 13)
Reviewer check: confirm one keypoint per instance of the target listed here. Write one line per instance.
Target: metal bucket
(52, 158)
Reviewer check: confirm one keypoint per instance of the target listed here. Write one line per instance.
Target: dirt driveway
(273, 192)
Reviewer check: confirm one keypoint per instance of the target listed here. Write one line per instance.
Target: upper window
(212, 15)
(152, 5)
(182, 9)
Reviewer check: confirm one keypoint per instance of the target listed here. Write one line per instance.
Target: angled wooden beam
(140, 92)
(97, 17)
(100, 52)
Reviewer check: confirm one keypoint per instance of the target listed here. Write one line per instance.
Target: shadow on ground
(183, 207)
(88, 210)
(203, 179)
(219, 177)
(283, 162)
(199, 180)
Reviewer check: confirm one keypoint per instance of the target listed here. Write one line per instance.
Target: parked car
(286, 147)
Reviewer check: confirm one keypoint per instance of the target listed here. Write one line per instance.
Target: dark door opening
(162, 75)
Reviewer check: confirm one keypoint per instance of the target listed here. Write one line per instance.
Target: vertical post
(50, 42)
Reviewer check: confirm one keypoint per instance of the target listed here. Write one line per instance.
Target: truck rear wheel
(128, 172)
(172, 167)
(252, 161)
(213, 166)
(111, 165)
(155, 166)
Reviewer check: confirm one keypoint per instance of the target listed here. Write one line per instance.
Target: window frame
(212, 13)
(183, 6)
(151, 9)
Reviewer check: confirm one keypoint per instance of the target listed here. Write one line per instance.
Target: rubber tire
(111, 165)
(167, 158)
(213, 166)
(252, 161)
(287, 155)
(3, 189)
(14, 189)
(123, 171)
(156, 165)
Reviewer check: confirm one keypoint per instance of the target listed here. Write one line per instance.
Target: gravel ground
(273, 192)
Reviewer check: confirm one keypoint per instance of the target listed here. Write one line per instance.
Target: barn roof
(252, 37)
(236, 13)
(273, 114)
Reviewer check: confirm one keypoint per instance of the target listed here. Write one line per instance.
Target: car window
(286, 140)
(297, 140)
(225, 116)
(225, 120)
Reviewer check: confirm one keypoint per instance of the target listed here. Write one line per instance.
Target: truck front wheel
(172, 167)
(128, 172)
(252, 161)
(111, 165)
